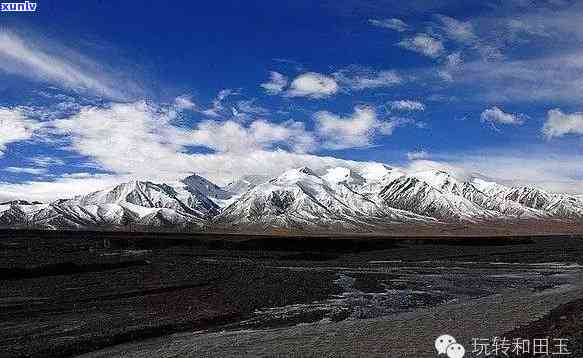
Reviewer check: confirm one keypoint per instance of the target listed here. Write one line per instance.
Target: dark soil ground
(67, 293)
(564, 322)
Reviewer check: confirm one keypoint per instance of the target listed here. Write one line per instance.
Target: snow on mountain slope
(411, 194)
(135, 202)
(446, 183)
(151, 195)
(300, 198)
(394, 188)
(559, 206)
(377, 177)
(365, 196)
(205, 187)
(237, 188)
(204, 192)
(245, 183)
(19, 214)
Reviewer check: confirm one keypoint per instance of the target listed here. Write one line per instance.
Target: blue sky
(96, 94)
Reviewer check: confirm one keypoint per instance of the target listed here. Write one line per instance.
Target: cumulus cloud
(496, 115)
(14, 127)
(125, 138)
(276, 84)
(230, 136)
(357, 78)
(559, 123)
(417, 155)
(423, 44)
(312, 85)
(355, 131)
(141, 138)
(392, 24)
(22, 57)
(407, 105)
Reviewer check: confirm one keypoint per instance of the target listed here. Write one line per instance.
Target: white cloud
(423, 164)
(407, 105)
(544, 169)
(140, 139)
(218, 108)
(558, 173)
(276, 84)
(543, 24)
(313, 85)
(357, 78)
(220, 168)
(393, 24)
(125, 138)
(45, 161)
(249, 107)
(518, 27)
(67, 186)
(423, 44)
(559, 124)
(417, 155)
(20, 56)
(456, 30)
(496, 115)
(25, 170)
(230, 136)
(556, 77)
(355, 131)
(453, 61)
(184, 102)
(14, 127)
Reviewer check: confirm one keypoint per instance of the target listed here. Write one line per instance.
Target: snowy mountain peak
(199, 185)
(245, 183)
(364, 196)
(293, 176)
(439, 179)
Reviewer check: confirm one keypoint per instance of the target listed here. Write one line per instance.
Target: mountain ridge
(362, 199)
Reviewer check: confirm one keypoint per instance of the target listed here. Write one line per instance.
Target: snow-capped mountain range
(371, 197)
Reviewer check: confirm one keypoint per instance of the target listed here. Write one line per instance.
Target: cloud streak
(391, 24)
(22, 57)
(357, 79)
